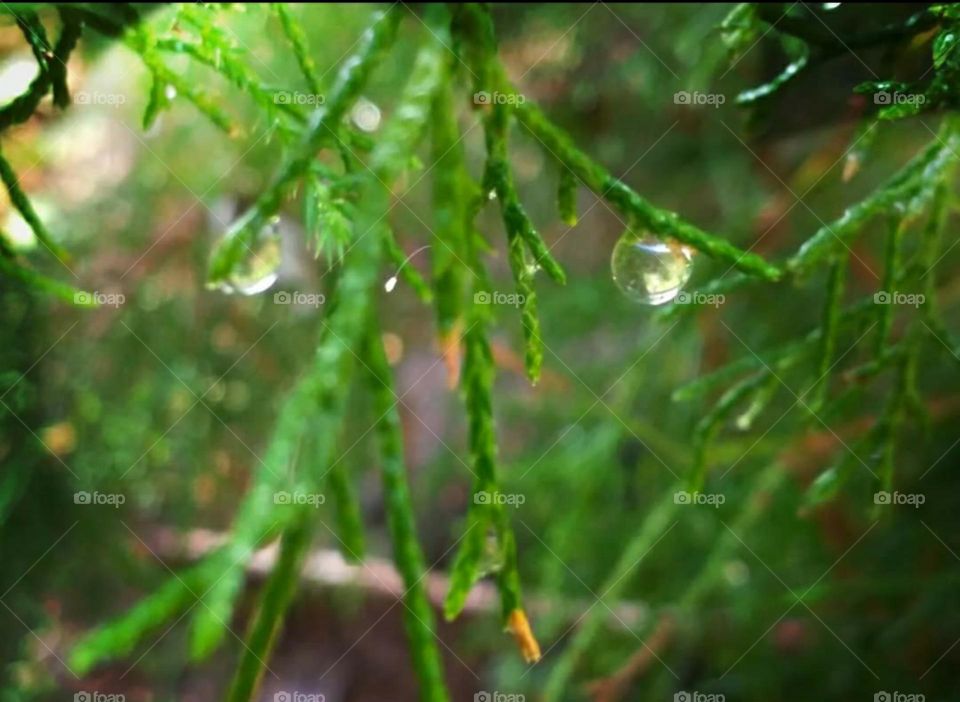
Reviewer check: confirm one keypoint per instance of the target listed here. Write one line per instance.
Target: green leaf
(943, 46)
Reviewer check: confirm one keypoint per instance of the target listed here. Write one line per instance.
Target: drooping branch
(661, 223)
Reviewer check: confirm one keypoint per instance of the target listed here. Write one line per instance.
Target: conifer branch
(350, 81)
(660, 222)
(418, 614)
(268, 619)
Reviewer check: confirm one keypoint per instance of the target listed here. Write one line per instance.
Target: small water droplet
(170, 92)
(390, 284)
(258, 271)
(365, 115)
(493, 558)
(648, 270)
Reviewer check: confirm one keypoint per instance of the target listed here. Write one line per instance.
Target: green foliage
(341, 95)
(660, 222)
(266, 623)
(349, 521)
(325, 218)
(120, 638)
(418, 614)
(346, 219)
(22, 203)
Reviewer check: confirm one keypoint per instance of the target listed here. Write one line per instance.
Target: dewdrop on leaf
(648, 270)
(258, 270)
(391, 282)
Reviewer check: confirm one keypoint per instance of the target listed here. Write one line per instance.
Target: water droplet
(170, 92)
(258, 271)
(493, 558)
(648, 270)
(365, 115)
(390, 284)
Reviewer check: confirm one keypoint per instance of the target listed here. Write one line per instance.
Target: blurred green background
(168, 399)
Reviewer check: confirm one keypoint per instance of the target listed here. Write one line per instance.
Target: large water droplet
(648, 270)
(258, 271)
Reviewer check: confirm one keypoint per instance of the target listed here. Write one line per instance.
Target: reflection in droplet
(258, 271)
(648, 270)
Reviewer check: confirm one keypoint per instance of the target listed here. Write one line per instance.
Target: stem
(830, 327)
(418, 615)
(265, 626)
(660, 222)
(25, 208)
